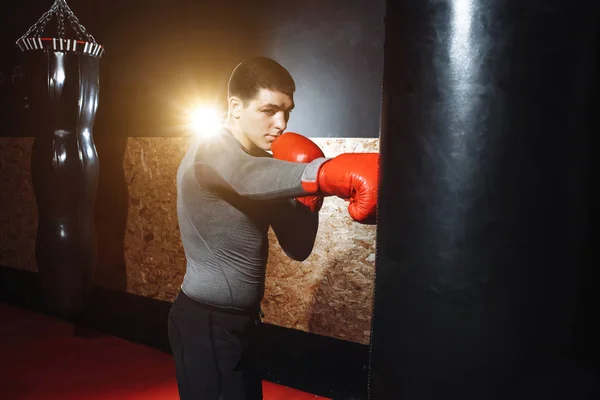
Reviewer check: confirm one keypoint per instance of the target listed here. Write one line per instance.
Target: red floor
(42, 360)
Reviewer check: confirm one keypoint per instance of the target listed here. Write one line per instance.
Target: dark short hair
(258, 73)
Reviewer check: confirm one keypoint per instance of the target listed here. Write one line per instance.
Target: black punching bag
(484, 153)
(63, 80)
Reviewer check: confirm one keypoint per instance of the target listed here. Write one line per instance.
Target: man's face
(265, 117)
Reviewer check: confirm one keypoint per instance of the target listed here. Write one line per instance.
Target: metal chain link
(44, 22)
(61, 23)
(49, 14)
(39, 24)
(59, 8)
(77, 26)
(80, 29)
(74, 26)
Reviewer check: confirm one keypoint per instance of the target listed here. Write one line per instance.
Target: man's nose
(280, 121)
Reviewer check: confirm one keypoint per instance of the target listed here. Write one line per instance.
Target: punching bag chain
(60, 8)
(79, 40)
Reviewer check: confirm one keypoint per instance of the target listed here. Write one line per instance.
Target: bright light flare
(204, 121)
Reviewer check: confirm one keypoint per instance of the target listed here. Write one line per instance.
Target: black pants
(213, 352)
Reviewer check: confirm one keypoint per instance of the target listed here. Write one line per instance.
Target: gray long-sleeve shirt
(226, 201)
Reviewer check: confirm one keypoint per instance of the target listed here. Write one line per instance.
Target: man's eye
(269, 112)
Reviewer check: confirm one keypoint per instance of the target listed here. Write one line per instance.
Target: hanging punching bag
(63, 80)
(482, 211)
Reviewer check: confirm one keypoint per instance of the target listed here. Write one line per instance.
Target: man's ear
(235, 106)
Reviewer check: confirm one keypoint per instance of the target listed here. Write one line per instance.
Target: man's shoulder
(216, 144)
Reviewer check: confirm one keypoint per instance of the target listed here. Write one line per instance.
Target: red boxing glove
(293, 147)
(353, 177)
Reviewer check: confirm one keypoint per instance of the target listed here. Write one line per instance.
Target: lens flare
(204, 121)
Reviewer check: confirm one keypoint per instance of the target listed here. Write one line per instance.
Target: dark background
(162, 56)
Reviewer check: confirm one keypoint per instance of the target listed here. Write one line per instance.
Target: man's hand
(353, 177)
(293, 147)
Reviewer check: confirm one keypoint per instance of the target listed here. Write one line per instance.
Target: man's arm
(222, 163)
(350, 176)
(295, 227)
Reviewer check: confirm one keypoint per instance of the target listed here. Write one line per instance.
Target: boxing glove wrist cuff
(310, 175)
